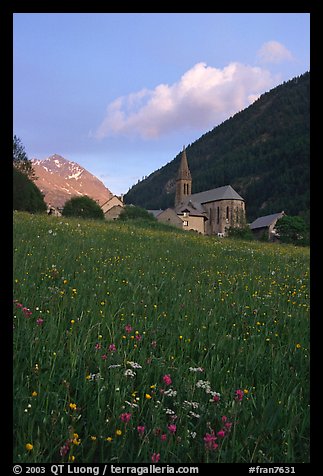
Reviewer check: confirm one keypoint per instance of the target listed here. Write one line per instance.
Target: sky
(122, 93)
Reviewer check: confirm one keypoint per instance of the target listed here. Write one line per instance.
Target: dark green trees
(26, 196)
(20, 159)
(83, 207)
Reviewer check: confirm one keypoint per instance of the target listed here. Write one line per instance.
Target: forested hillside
(262, 152)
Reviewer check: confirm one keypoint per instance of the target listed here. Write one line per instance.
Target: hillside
(60, 179)
(262, 152)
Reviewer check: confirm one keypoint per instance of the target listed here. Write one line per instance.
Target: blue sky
(121, 94)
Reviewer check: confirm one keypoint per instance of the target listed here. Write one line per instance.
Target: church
(211, 212)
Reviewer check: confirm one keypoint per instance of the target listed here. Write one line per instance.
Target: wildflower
(221, 434)
(239, 395)
(155, 457)
(134, 365)
(39, 321)
(128, 328)
(209, 440)
(27, 312)
(71, 458)
(108, 438)
(140, 429)
(196, 369)
(298, 346)
(172, 428)
(104, 356)
(125, 417)
(29, 446)
(93, 438)
(34, 394)
(138, 337)
(98, 346)
(170, 392)
(129, 373)
(112, 348)
(72, 406)
(64, 449)
(147, 396)
(216, 398)
(163, 437)
(72, 321)
(167, 379)
(118, 432)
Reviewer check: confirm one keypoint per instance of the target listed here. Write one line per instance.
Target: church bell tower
(183, 181)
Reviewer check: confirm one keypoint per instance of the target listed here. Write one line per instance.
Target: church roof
(266, 221)
(183, 171)
(220, 193)
(194, 208)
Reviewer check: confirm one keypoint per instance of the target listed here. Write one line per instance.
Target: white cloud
(274, 52)
(202, 98)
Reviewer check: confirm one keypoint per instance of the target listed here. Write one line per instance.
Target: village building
(168, 216)
(112, 207)
(264, 227)
(211, 212)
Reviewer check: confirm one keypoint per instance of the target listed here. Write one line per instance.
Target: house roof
(194, 208)
(221, 193)
(265, 221)
(155, 212)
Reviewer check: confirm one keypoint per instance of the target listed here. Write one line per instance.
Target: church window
(185, 223)
(218, 215)
(227, 216)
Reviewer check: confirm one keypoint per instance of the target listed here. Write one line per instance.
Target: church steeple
(183, 181)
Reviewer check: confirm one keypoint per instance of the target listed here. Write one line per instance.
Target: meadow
(136, 345)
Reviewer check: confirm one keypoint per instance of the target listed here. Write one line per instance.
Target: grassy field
(136, 344)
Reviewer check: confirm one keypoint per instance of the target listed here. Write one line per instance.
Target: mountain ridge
(262, 152)
(60, 179)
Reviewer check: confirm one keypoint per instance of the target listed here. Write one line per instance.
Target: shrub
(131, 212)
(83, 207)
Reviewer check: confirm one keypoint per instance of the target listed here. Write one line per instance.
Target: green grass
(116, 307)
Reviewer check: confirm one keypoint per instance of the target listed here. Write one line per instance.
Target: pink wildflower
(125, 417)
(128, 328)
(172, 428)
(27, 312)
(155, 457)
(138, 337)
(209, 440)
(224, 419)
(228, 426)
(104, 357)
(163, 437)
(112, 348)
(141, 429)
(167, 379)
(39, 321)
(216, 398)
(97, 346)
(221, 434)
(239, 395)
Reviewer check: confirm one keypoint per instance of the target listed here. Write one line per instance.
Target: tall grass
(135, 345)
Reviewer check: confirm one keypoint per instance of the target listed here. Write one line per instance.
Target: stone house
(112, 207)
(265, 226)
(168, 216)
(211, 212)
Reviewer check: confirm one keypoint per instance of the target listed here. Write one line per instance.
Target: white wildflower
(129, 373)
